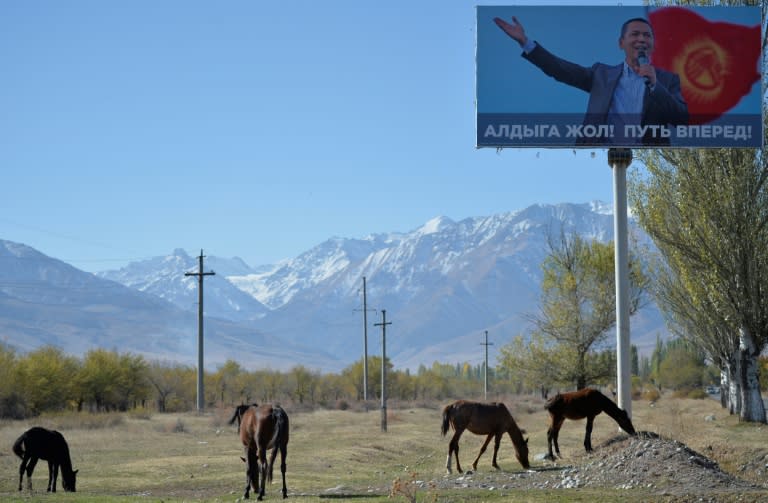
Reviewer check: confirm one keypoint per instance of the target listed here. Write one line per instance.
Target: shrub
(651, 394)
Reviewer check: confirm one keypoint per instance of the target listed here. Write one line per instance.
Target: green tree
(47, 377)
(133, 386)
(12, 402)
(226, 382)
(707, 212)
(173, 385)
(99, 379)
(576, 310)
(304, 383)
(683, 367)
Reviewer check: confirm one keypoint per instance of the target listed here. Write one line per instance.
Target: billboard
(560, 76)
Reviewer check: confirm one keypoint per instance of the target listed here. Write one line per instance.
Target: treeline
(48, 380)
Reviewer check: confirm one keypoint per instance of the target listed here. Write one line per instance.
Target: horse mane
(66, 460)
(609, 406)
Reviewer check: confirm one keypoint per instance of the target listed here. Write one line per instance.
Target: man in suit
(632, 96)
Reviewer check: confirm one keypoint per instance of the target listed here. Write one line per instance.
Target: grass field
(343, 455)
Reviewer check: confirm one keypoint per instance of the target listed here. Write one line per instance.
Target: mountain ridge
(443, 284)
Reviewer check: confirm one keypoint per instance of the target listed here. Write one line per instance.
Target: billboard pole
(619, 160)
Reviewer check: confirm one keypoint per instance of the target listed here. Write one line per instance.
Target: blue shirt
(627, 103)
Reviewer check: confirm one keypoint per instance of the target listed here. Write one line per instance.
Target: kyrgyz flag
(716, 61)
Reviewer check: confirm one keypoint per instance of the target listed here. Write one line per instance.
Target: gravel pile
(644, 462)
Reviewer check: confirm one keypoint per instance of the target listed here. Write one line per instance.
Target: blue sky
(250, 128)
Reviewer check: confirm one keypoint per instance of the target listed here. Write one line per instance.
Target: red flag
(716, 61)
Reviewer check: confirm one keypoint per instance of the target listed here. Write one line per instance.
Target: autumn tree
(47, 378)
(707, 212)
(577, 307)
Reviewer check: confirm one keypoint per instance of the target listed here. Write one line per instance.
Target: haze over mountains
(442, 285)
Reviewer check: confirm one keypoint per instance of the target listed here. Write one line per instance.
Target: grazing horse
(492, 419)
(586, 402)
(262, 427)
(39, 443)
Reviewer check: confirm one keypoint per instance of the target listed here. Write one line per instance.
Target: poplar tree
(707, 212)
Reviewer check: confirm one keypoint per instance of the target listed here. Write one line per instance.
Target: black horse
(39, 443)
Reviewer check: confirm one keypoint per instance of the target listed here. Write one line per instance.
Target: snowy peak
(442, 283)
(167, 277)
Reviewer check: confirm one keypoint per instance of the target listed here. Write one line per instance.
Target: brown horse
(492, 419)
(586, 402)
(262, 427)
(40, 443)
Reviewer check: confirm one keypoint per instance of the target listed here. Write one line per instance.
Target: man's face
(638, 37)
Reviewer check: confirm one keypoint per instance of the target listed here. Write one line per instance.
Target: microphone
(642, 59)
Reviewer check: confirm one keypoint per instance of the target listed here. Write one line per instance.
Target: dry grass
(338, 454)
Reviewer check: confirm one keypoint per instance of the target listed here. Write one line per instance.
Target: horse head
(69, 480)
(625, 422)
(521, 452)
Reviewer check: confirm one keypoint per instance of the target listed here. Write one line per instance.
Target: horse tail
(235, 416)
(18, 446)
(238, 414)
(446, 419)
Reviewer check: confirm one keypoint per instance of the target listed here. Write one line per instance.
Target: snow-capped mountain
(44, 301)
(442, 285)
(166, 277)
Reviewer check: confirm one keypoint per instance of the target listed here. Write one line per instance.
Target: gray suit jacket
(662, 106)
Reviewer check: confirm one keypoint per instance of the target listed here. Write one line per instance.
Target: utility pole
(383, 326)
(200, 275)
(365, 344)
(486, 344)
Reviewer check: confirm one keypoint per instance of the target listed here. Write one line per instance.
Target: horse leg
(496, 444)
(54, 476)
(51, 485)
(22, 468)
(550, 437)
(482, 450)
(588, 435)
(453, 446)
(30, 469)
(263, 467)
(250, 469)
(552, 434)
(283, 452)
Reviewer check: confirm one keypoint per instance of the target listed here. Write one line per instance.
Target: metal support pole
(485, 386)
(200, 275)
(365, 346)
(383, 326)
(619, 160)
